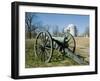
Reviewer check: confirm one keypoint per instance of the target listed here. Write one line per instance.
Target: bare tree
(76, 31)
(30, 23)
(47, 28)
(86, 32)
(56, 30)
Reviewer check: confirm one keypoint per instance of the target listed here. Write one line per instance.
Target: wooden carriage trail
(79, 59)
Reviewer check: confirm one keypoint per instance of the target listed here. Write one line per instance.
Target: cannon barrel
(60, 39)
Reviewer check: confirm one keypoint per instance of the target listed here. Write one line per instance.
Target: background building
(72, 29)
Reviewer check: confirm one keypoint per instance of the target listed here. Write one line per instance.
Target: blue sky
(63, 20)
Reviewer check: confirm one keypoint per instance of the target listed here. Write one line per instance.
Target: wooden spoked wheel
(69, 42)
(44, 46)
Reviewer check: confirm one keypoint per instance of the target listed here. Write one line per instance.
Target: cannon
(45, 45)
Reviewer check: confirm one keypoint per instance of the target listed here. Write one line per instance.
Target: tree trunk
(30, 35)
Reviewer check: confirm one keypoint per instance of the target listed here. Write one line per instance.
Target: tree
(56, 30)
(76, 31)
(86, 32)
(47, 28)
(30, 23)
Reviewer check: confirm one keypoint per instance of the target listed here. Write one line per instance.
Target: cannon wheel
(69, 42)
(44, 46)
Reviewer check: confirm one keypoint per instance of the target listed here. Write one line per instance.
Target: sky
(63, 20)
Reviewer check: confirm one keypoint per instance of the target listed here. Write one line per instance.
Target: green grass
(57, 58)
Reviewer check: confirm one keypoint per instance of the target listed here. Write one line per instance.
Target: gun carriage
(45, 45)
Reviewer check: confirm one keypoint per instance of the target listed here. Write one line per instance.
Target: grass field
(82, 48)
